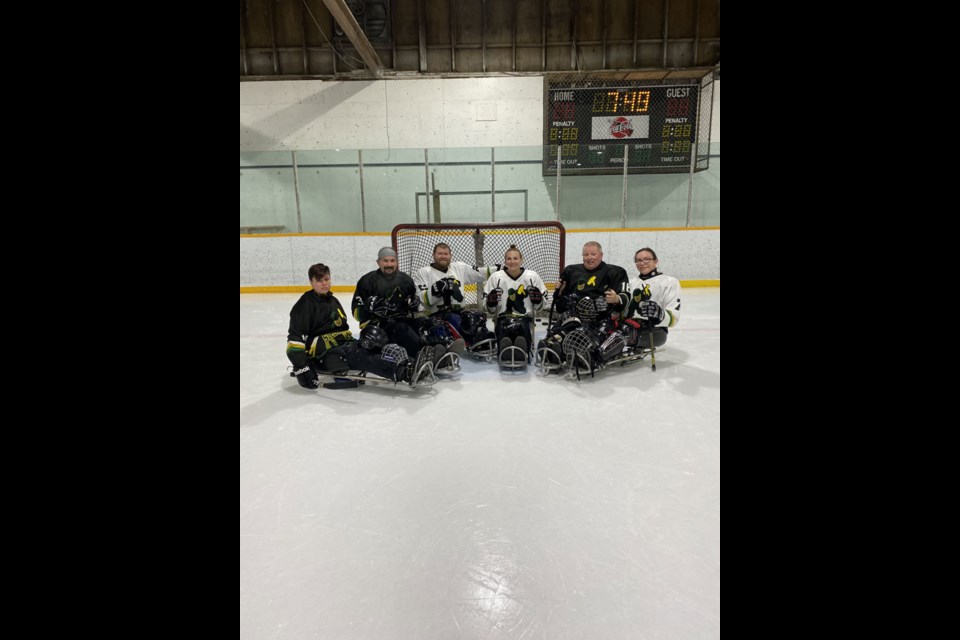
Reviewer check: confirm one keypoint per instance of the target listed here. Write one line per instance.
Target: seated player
(387, 297)
(319, 342)
(514, 295)
(602, 285)
(654, 300)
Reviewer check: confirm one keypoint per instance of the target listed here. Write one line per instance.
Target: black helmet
(471, 322)
(373, 338)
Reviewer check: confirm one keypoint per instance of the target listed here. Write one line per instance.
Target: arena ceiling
(583, 39)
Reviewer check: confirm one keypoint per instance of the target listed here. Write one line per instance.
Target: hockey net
(542, 245)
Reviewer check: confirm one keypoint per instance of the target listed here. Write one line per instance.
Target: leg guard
(511, 338)
(333, 361)
(480, 341)
(658, 336)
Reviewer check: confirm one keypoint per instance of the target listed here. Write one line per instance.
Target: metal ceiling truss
(594, 31)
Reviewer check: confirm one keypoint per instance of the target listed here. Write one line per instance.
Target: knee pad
(333, 362)
(658, 335)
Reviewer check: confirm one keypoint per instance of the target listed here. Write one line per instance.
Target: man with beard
(387, 297)
(441, 284)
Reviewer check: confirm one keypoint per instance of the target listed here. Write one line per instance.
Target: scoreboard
(591, 125)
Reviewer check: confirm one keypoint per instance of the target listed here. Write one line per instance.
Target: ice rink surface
(496, 505)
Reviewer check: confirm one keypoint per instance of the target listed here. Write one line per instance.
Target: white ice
(496, 505)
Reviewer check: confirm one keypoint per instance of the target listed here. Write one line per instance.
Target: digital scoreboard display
(591, 125)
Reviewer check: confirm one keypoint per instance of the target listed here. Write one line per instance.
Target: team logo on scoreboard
(619, 127)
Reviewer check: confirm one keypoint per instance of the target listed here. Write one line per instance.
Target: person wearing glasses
(654, 298)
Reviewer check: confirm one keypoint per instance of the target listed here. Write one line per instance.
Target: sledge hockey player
(440, 286)
(387, 297)
(320, 344)
(514, 294)
(654, 301)
(592, 293)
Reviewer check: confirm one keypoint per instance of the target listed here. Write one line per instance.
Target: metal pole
(493, 185)
(693, 154)
(623, 203)
(436, 199)
(558, 183)
(426, 182)
(363, 203)
(296, 190)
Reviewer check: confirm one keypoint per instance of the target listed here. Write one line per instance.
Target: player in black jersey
(388, 298)
(320, 342)
(587, 297)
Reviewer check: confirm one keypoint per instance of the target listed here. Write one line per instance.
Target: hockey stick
(352, 381)
(653, 350)
(553, 304)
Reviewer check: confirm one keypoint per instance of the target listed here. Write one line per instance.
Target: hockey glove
(493, 298)
(307, 377)
(651, 311)
(455, 292)
(535, 295)
(413, 303)
(439, 288)
(380, 307)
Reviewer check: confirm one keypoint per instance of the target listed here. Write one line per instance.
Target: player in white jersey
(441, 284)
(654, 299)
(514, 294)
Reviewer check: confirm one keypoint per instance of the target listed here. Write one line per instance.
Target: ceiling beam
(422, 24)
(454, 7)
(303, 42)
(666, 12)
(243, 38)
(514, 36)
(696, 35)
(393, 39)
(603, 64)
(273, 40)
(483, 35)
(573, 35)
(338, 9)
(543, 35)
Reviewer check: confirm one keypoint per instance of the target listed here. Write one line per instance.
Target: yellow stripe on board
(298, 235)
(689, 284)
(298, 289)
(467, 232)
(618, 230)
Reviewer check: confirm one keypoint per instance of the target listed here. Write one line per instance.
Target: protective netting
(541, 243)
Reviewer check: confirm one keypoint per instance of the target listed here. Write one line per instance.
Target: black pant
(402, 332)
(354, 357)
(508, 327)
